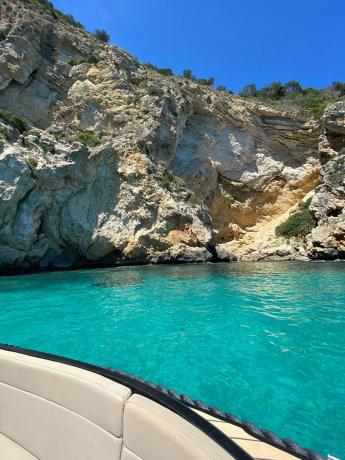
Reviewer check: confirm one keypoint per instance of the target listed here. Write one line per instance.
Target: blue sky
(235, 41)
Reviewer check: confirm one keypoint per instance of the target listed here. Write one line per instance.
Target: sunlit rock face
(248, 170)
(120, 164)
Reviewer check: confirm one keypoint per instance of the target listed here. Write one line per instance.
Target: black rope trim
(266, 436)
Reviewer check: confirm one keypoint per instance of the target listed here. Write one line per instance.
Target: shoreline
(9, 272)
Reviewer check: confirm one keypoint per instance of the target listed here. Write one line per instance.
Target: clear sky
(235, 41)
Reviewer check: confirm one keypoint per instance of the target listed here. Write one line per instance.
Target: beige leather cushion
(51, 432)
(90, 395)
(9, 450)
(152, 432)
(128, 455)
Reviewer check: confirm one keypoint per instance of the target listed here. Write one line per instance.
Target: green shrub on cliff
(43, 3)
(314, 101)
(249, 90)
(14, 121)
(194, 200)
(34, 132)
(169, 181)
(89, 59)
(273, 91)
(48, 8)
(102, 35)
(299, 224)
(68, 18)
(88, 138)
(292, 94)
(4, 135)
(32, 163)
(166, 71)
(188, 74)
(338, 88)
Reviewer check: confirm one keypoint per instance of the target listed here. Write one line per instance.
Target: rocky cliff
(103, 160)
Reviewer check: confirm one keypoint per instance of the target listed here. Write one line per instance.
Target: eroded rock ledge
(119, 164)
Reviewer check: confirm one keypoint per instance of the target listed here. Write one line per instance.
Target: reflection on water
(265, 341)
(119, 278)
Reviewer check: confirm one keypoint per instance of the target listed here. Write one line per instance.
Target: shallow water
(264, 341)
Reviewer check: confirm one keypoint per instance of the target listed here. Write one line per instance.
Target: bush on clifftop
(292, 93)
(163, 71)
(188, 74)
(102, 35)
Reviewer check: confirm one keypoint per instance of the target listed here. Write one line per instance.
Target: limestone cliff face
(327, 240)
(121, 164)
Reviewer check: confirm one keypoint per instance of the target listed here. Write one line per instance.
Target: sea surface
(264, 341)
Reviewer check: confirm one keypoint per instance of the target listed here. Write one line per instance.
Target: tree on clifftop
(249, 90)
(293, 87)
(187, 73)
(102, 35)
(274, 90)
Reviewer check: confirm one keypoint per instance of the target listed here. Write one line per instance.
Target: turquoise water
(264, 341)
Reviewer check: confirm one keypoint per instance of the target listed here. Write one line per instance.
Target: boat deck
(257, 449)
